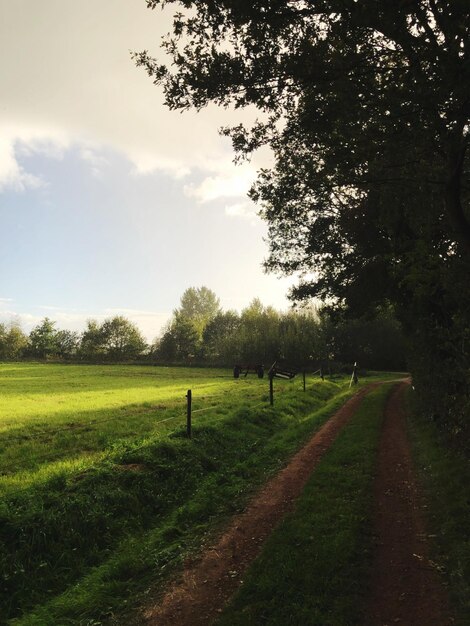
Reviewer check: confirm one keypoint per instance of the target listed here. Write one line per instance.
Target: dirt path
(205, 587)
(406, 589)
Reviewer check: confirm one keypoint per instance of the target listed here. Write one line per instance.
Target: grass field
(71, 412)
(102, 493)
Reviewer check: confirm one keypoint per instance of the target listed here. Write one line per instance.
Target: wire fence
(8, 471)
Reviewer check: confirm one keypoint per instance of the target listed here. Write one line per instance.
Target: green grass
(61, 412)
(100, 500)
(445, 476)
(313, 569)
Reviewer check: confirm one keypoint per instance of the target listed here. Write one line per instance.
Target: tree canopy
(198, 306)
(365, 105)
(366, 108)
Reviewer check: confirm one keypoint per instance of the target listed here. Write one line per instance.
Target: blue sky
(109, 203)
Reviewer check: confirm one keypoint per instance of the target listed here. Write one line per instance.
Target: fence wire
(77, 427)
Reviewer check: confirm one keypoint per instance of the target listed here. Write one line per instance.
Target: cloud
(16, 142)
(12, 175)
(244, 210)
(234, 184)
(66, 71)
(96, 161)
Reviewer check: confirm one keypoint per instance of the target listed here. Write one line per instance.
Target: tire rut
(406, 588)
(203, 589)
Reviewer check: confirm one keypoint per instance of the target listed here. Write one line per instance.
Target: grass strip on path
(78, 547)
(444, 474)
(313, 568)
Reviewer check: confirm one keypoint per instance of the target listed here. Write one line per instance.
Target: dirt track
(204, 588)
(405, 587)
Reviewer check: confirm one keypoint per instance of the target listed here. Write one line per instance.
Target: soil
(205, 586)
(406, 588)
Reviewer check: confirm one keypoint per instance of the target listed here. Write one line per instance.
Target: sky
(110, 204)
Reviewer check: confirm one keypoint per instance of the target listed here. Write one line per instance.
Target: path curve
(204, 588)
(406, 588)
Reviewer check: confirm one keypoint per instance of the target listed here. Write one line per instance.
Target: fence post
(304, 378)
(271, 389)
(188, 414)
(354, 378)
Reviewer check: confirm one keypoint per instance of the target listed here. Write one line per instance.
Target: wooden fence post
(271, 390)
(188, 414)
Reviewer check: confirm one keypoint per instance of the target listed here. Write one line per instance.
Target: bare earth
(405, 586)
(406, 589)
(204, 588)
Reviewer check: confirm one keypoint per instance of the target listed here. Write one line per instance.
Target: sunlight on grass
(91, 495)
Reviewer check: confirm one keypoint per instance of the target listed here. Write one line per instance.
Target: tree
(355, 83)
(183, 336)
(220, 337)
(122, 340)
(259, 334)
(67, 342)
(365, 106)
(43, 339)
(199, 305)
(165, 347)
(92, 342)
(13, 341)
(179, 342)
(300, 337)
(375, 342)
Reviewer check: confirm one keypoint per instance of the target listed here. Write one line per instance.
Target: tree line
(201, 332)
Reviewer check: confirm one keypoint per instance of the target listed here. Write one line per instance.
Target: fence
(47, 434)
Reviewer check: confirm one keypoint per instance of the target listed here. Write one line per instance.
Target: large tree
(360, 100)
(198, 306)
(366, 107)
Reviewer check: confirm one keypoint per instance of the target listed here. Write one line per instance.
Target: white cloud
(97, 162)
(147, 163)
(66, 71)
(234, 184)
(12, 175)
(16, 141)
(244, 210)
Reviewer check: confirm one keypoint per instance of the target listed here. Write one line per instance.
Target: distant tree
(92, 342)
(43, 339)
(13, 341)
(182, 338)
(178, 343)
(259, 334)
(165, 347)
(220, 337)
(300, 339)
(199, 305)
(67, 342)
(122, 340)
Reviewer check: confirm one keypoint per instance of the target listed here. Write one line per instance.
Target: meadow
(56, 418)
(101, 492)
